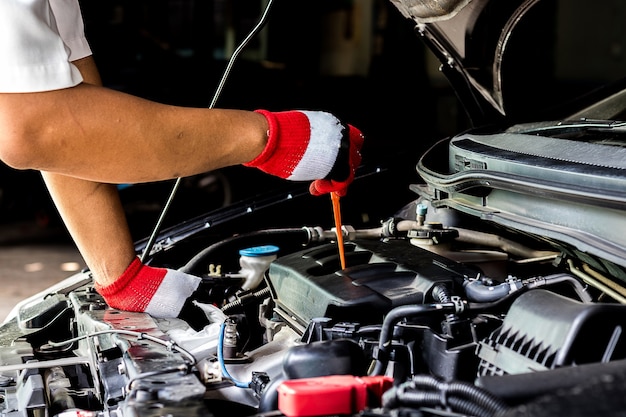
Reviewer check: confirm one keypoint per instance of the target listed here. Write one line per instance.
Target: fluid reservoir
(254, 262)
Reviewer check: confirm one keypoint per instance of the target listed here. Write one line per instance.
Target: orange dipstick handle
(337, 212)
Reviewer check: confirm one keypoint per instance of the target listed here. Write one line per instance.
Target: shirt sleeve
(38, 41)
(71, 28)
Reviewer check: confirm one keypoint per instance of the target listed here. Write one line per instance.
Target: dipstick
(338, 229)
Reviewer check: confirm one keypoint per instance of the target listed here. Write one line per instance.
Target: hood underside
(513, 60)
(424, 11)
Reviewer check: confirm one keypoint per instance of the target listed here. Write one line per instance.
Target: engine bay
(426, 316)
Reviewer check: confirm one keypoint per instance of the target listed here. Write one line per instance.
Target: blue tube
(220, 359)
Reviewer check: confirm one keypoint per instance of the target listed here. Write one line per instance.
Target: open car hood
(546, 155)
(499, 56)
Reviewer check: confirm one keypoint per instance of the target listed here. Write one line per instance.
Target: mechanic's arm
(96, 133)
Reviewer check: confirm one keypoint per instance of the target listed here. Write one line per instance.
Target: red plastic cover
(329, 395)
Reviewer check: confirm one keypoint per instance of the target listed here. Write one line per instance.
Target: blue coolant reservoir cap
(264, 250)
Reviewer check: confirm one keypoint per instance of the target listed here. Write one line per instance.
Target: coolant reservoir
(254, 262)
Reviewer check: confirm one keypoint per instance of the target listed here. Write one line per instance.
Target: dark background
(175, 51)
(172, 51)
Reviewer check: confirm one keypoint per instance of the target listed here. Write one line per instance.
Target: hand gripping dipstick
(338, 229)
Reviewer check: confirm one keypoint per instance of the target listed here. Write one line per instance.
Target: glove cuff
(301, 146)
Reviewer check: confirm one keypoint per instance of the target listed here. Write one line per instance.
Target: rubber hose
(198, 259)
(393, 317)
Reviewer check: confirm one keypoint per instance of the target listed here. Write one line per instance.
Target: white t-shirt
(38, 41)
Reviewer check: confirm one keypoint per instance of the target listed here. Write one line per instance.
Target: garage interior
(359, 59)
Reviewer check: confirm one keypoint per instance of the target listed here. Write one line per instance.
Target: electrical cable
(149, 374)
(170, 345)
(458, 397)
(220, 359)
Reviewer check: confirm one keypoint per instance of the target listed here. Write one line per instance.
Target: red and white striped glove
(159, 292)
(311, 146)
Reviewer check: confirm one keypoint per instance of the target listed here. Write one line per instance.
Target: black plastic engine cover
(379, 276)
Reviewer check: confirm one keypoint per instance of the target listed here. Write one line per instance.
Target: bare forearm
(103, 135)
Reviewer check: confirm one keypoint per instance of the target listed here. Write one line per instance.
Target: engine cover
(380, 275)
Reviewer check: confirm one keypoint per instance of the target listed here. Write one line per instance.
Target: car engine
(428, 315)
